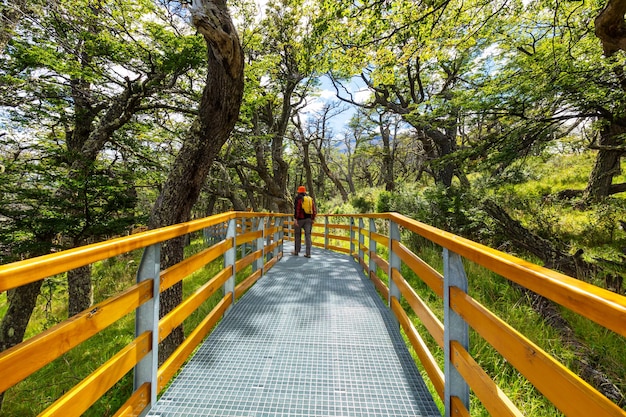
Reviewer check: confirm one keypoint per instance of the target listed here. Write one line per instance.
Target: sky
(327, 95)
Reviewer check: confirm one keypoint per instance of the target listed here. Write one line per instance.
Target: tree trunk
(306, 161)
(219, 110)
(80, 294)
(387, 174)
(607, 163)
(610, 27)
(552, 256)
(11, 13)
(22, 301)
(329, 173)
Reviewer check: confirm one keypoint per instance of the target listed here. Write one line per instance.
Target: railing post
(352, 252)
(268, 239)
(361, 242)
(325, 232)
(372, 247)
(290, 232)
(260, 245)
(394, 262)
(147, 319)
(279, 235)
(455, 328)
(230, 257)
(244, 247)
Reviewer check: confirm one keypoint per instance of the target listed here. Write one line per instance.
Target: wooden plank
(90, 389)
(379, 284)
(181, 354)
(30, 270)
(271, 263)
(22, 360)
(247, 260)
(379, 238)
(458, 408)
(270, 248)
(419, 307)
(364, 265)
(339, 249)
(247, 283)
(602, 306)
(137, 403)
(553, 379)
(339, 226)
(380, 262)
(339, 237)
(249, 237)
(425, 272)
(492, 397)
(426, 358)
(183, 269)
(175, 317)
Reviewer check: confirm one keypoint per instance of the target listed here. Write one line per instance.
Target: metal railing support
(372, 247)
(244, 247)
(361, 241)
(352, 236)
(455, 329)
(279, 235)
(394, 262)
(326, 232)
(260, 245)
(290, 231)
(147, 319)
(230, 256)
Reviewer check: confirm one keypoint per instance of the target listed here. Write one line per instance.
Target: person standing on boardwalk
(304, 216)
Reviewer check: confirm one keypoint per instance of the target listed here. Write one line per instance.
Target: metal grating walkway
(310, 338)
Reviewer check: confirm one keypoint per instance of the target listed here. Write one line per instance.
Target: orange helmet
(302, 189)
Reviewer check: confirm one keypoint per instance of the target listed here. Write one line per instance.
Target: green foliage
(361, 204)
(383, 204)
(45, 206)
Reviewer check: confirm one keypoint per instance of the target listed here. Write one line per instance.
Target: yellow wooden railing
(259, 233)
(566, 390)
(362, 236)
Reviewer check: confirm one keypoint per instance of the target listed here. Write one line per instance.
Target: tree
(280, 54)
(218, 112)
(317, 132)
(551, 79)
(73, 88)
(414, 61)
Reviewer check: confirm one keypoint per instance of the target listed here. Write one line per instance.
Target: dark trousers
(307, 225)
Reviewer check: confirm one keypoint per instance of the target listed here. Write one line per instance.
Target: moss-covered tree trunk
(218, 113)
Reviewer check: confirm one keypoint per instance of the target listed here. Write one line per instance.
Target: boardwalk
(311, 338)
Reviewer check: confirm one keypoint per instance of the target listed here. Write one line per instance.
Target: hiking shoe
(294, 253)
(307, 256)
